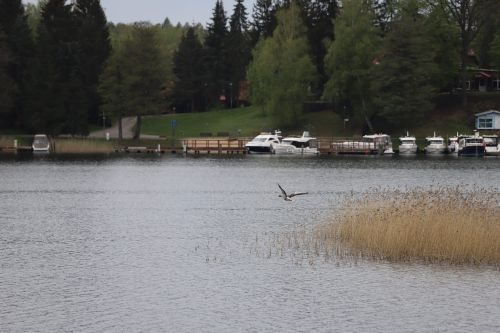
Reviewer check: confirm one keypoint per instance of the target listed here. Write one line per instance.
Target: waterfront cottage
(488, 120)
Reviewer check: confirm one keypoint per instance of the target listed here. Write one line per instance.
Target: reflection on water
(170, 244)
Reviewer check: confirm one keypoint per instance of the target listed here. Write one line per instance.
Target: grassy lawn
(246, 121)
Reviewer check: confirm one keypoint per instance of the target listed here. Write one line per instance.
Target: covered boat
(408, 145)
(40, 143)
(471, 146)
(435, 145)
(304, 145)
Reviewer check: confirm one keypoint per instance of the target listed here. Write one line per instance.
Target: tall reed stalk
(434, 225)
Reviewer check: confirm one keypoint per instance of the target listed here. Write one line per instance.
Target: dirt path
(128, 125)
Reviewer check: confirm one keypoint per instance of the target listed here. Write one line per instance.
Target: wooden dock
(218, 146)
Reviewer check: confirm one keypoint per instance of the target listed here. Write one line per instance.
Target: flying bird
(288, 197)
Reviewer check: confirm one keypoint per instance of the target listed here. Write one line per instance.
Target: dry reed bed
(81, 146)
(434, 225)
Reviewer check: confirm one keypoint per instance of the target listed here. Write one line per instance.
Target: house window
(485, 123)
(496, 84)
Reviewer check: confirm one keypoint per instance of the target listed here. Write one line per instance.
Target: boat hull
(292, 150)
(472, 151)
(259, 149)
(407, 150)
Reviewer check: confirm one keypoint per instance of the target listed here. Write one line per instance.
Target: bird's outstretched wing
(297, 193)
(282, 191)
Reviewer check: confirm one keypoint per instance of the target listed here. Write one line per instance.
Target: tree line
(64, 68)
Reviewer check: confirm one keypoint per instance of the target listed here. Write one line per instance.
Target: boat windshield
(407, 141)
(474, 140)
(490, 142)
(259, 140)
(435, 142)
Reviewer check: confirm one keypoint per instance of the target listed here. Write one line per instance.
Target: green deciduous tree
(445, 44)
(403, 80)
(350, 60)
(282, 71)
(134, 76)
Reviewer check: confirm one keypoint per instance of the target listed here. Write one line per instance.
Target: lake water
(174, 244)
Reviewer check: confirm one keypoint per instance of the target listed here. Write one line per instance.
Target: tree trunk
(137, 133)
(120, 129)
(463, 68)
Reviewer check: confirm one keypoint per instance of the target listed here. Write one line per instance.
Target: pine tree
(95, 48)
(7, 85)
(403, 79)
(263, 20)
(18, 39)
(238, 49)
(319, 16)
(56, 103)
(188, 69)
(215, 54)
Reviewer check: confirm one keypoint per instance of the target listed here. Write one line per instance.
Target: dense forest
(64, 68)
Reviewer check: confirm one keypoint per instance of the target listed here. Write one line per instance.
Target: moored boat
(305, 145)
(408, 145)
(263, 143)
(492, 145)
(435, 145)
(453, 145)
(40, 143)
(471, 146)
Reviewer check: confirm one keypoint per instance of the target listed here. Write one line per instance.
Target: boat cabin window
(259, 140)
(474, 140)
(435, 142)
(408, 141)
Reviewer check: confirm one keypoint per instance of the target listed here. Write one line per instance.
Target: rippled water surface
(173, 244)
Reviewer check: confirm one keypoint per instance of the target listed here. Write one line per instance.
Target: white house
(488, 120)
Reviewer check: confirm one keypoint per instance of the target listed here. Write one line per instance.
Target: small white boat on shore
(492, 144)
(263, 143)
(305, 145)
(435, 145)
(41, 143)
(408, 145)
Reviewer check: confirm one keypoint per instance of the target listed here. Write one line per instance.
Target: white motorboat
(263, 143)
(453, 145)
(305, 145)
(471, 146)
(435, 145)
(408, 145)
(492, 144)
(41, 143)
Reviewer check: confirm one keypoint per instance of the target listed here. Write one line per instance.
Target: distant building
(488, 120)
(480, 79)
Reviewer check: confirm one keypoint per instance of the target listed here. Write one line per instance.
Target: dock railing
(218, 145)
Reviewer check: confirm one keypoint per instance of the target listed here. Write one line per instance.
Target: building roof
(487, 112)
